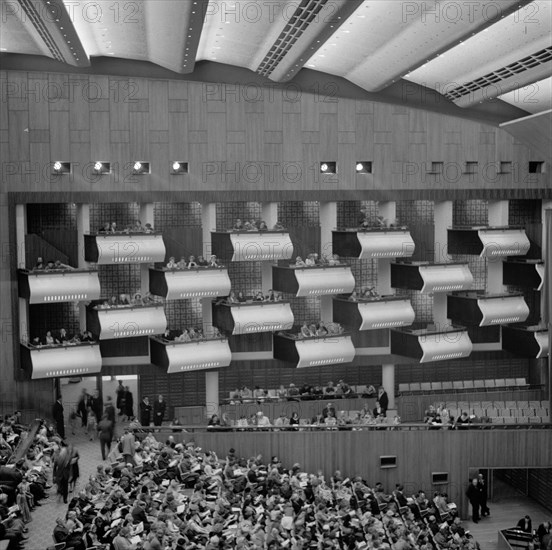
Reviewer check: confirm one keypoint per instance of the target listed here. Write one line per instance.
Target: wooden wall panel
(60, 147)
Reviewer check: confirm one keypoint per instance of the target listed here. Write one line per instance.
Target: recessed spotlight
(328, 167)
(179, 167)
(60, 167)
(101, 167)
(364, 167)
(140, 167)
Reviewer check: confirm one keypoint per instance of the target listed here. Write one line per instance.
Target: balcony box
(374, 313)
(427, 345)
(190, 356)
(475, 308)
(526, 341)
(431, 277)
(200, 282)
(524, 273)
(251, 317)
(373, 243)
(313, 281)
(57, 361)
(123, 248)
(488, 242)
(126, 321)
(63, 285)
(314, 352)
(252, 246)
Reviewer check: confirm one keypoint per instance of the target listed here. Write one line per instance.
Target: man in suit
(159, 409)
(82, 408)
(525, 524)
(482, 486)
(474, 496)
(57, 413)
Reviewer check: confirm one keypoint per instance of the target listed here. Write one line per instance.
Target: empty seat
(542, 413)
(468, 384)
(509, 420)
(425, 386)
(436, 386)
(521, 382)
(535, 404)
(501, 383)
(510, 382)
(453, 412)
(475, 404)
(489, 384)
(402, 388)
(415, 386)
(479, 412)
(363, 388)
(499, 405)
(492, 412)
(511, 404)
(479, 384)
(522, 420)
(458, 385)
(535, 420)
(447, 386)
(522, 404)
(504, 412)
(527, 412)
(497, 420)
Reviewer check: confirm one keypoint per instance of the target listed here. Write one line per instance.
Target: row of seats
(360, 390)
(502, 413)
(462, 385)
(494, 404)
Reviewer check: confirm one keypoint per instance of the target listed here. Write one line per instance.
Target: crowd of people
(439, 417)
(190, 334)
(255, 225)
(61, 337)
(136, 227)
(128, 300)
(240, 298)
(313, 260)
(192, 262)
(50, 265)
(367, 293)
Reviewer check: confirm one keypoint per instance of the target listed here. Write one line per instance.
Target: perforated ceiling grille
(307, 12)
(499, 75)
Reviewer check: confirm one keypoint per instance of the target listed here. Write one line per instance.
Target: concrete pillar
(208, 224)
(328, 223)
(546, 205)
(388, 210)
(145, 216)
(388, 383)
(498, 216)
(83, 228)
(20, 232)
(269, 213)
(207, 314)
(443, 221)
(211, 393)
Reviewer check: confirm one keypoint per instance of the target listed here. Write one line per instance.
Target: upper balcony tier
(252, 246)
(313, 280)
(488, 242)
(197, 282)
(125, 321)
(373, 243)
(42, 286)
(196, 355)
(373, 313)
(81, 359)
(315, 351)
(431, 277)
(524, 273)
(476, 308)
(251, 317)
(526, 341)
(427, 345)
(124, 248)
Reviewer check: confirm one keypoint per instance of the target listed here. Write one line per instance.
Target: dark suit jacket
(525, 525)
(57, 412)
(384, 401)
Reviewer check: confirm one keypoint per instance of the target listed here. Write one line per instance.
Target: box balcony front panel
(133, 248)
(178, 284)
(248, 318)
(374, 243)
(190, 356)
(526, 341)
(427, 346)
(313, 281)
(488, 242)
(374, 314)
(57, 361)
(314, 352)
(428, 278)
(49, 287)
(524, 273)
(252, 246)
(483, 310)
(126, 322)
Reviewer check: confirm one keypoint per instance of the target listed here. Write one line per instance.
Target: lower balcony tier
(252, 317)
(431, 277)
(313, 281)
(526, 341)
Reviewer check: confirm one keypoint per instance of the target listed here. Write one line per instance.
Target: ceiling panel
(533, 98)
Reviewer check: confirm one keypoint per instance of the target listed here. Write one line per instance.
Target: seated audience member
(328, 410)
(430, 414)
(113, 228)
(311, 260)
(282, 421)
(259, 297)
(213, 262)
(64, 337)
(202, 262)
(39, 263)
(281, 392)
(232, 298)
(321, 330)
(191, 262)
(241, 297)
(106, 228)
(353, 297)
(262, 420)
(329, 389)
(36, 342)
(148, 228)
(238, 225)
(59, 265)
(172, 264)
(184, 337)
(50, 265)
(263, 226)
(278, 227)
(294, 419)
(182, 263)
(305, 331)
(50, 340)
(463, 421)
(525, 525)
(293, 393)
(299, 262)
(344, 389)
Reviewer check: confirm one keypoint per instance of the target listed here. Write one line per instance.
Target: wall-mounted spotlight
(101, 167)
(179, 167)
(140, 167)
(60, 167)
(328, 167)
(364, 167)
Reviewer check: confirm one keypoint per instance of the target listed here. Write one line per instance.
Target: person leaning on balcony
(171, 264)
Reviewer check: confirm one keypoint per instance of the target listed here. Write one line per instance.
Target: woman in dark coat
(129, 403)
(62, 470)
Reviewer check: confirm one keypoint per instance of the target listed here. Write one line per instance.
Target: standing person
(110, 412)
(82, 407)
(74, 470)
(120, 401)
(128, 447)
(96, 402)
(474, 496)
(145, 412)
(91, 423)
(129, 404)
(382, 400)
(525, 524)
(62, 470)
(57, 413)
(105, 427)
(159, 409)
(482, 486)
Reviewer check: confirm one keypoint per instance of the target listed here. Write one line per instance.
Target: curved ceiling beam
(312, 24)
(49, 27)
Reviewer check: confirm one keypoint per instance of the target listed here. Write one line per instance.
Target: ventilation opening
(471, 167)
(505, 167)
(536, 167)
(388, 461)
(439, 478)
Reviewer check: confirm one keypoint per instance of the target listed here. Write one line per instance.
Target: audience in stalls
(181, 496)
(191, 334)
(50, 265)
(255, 225)
(136, 227)
(61, 338)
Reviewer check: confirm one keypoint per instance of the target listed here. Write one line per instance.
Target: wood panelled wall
(419, 453)
(239, 141)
